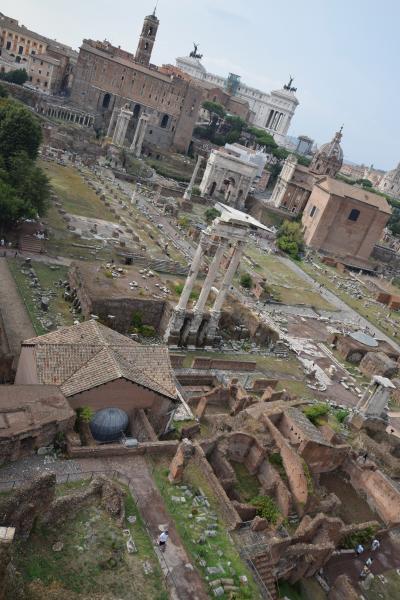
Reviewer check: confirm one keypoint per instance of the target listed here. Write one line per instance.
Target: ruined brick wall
(381, 494)
(322, 459)
(228, 512)
(141, 428)
(293, 466)
(167, 448)
(228, 365)
(377, 363)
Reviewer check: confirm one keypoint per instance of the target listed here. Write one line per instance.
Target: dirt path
(17, 324)
(187, 584)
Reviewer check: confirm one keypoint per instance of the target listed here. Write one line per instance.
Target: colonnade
(118, 127)
(198, 327)
(68, 114)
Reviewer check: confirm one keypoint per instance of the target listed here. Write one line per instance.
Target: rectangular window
(20, 50)
(45, 84)
(313, 210)
(8, 46)
(354, 214)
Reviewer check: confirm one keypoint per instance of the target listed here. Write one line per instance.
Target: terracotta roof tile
(87, 355)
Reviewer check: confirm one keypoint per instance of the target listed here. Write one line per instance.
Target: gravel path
(17, 324)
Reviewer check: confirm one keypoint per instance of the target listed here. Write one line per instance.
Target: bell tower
(147, 39)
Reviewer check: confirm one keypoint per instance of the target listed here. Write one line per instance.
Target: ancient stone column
(188, 191)
(178, 316)
(122, 125)
(112, 122)
(215, 312)
(138, 138)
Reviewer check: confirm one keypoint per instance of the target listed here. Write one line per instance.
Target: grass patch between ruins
(93, 561)
(47, 275)
(76, 196)
(288, 287)
(217, 551)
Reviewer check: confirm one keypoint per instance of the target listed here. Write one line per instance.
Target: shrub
(310, 482)
(183, 221)
(211, 213)
(148, 331)
(196, 191)
(266, 508)
(341, 414)
(364, 537)
(246, 281)
(136, 320)
(315, 412)
(85, 414)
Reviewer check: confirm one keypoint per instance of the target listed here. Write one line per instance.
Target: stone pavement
(187, 583)
(17, 324)
(385, 559)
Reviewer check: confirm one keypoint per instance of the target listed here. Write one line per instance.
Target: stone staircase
(28, 243)
(262, 563)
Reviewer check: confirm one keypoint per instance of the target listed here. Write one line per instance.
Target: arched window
(150, 31)
(146, 45)
(106, 100)
(136, 111)
(164, 121)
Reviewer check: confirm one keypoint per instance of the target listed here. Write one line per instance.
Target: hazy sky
(344, 54)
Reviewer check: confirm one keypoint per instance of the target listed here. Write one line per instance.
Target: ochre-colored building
(344, 220)
(107, 78)
(95, 366)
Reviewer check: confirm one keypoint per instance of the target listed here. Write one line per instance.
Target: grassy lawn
(175, 166)
(217, 551)
(93, 559)
(288, 287)
(48, 276)
(76, 196)
(374, 313)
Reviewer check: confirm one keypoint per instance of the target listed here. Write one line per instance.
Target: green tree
(18, 76)
(246, 281)
(214, 108)
(19, 131)
(211, 214)
(30, 183)
(366, 183)
(3, 92)
(290, 238)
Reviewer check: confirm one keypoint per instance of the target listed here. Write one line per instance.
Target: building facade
(295, 182)
(390, 183)
(272, 111)
(344, 220)
(108, 79)
(229, 177)
(48, 63)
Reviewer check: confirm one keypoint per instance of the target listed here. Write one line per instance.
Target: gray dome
(108, 424)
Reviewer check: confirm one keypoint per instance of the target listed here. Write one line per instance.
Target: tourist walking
(359, 549)
(162, 540)
(375, 545)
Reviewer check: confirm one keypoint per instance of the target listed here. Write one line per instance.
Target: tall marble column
(121, 127)
(198, 311)
(177, 319)
(188, 191)
(215, 312)
(112, 122)
(138, 138)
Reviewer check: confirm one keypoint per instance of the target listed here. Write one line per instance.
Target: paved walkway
(187, 583)
(385, 559)
(17, 324)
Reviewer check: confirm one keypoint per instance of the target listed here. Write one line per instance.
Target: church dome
(329, 158)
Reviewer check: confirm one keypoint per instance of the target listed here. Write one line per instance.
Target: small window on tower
(354, 214)
(150, 31)
(313, 211)
(146, 46)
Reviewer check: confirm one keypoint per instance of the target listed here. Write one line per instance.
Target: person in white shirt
(375, 545)
(162, 540)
